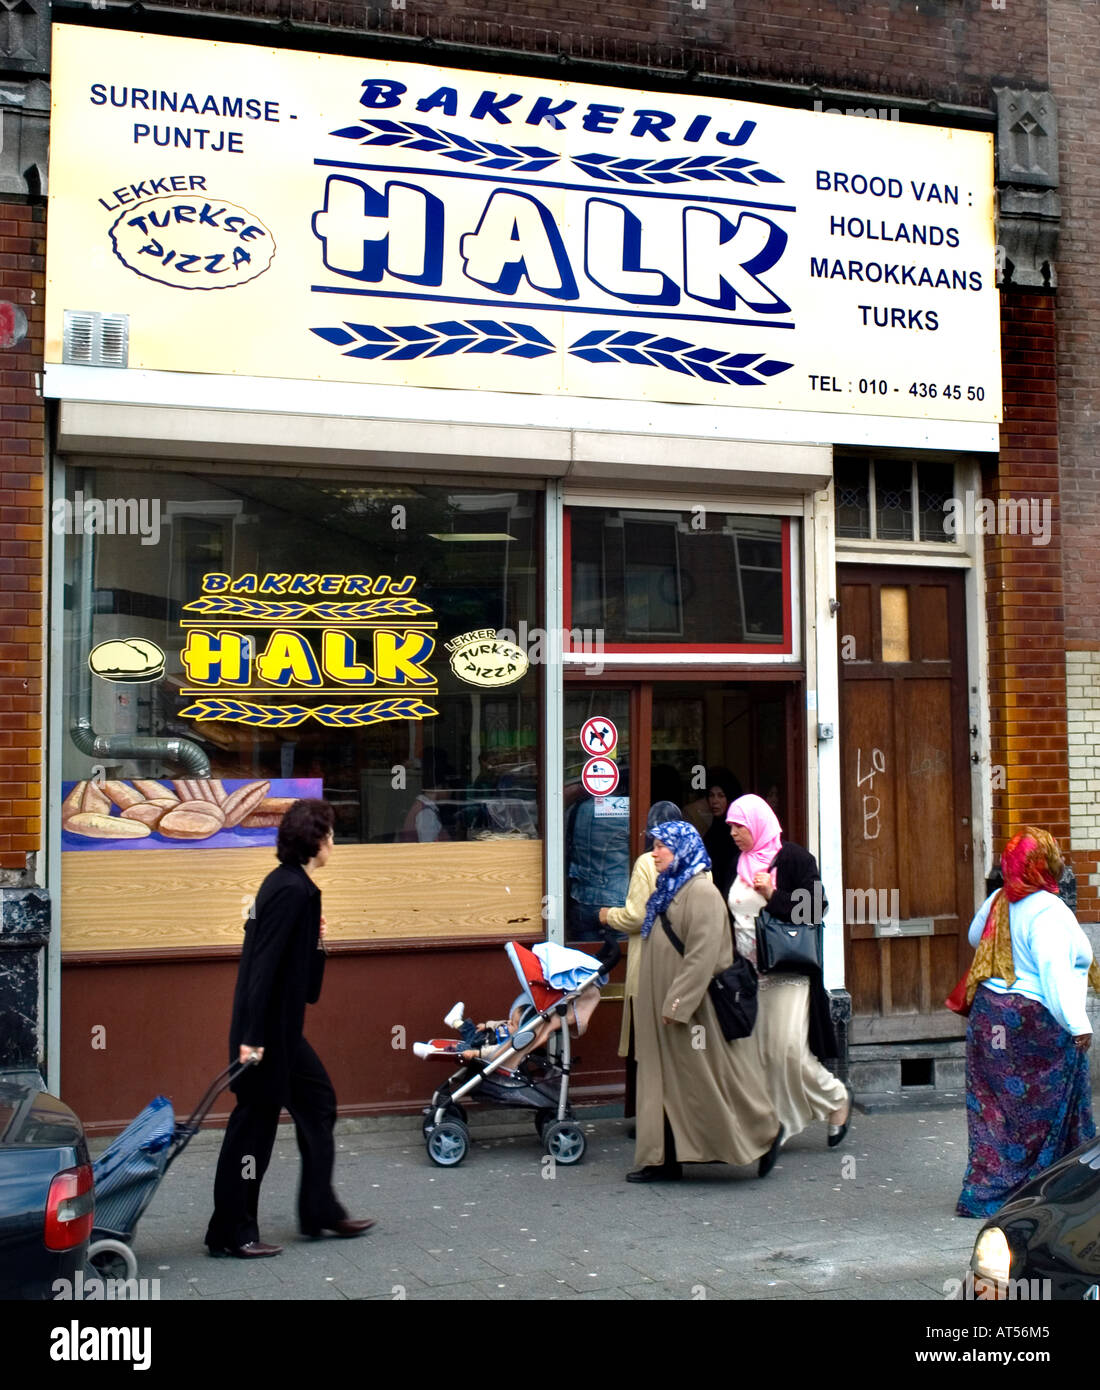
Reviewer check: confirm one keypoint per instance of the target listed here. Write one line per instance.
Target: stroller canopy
(550, 972)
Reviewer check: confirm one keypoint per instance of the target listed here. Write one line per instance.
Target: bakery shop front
(481, 496)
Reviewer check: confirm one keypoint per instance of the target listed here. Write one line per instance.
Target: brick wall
(1074, 73)
(948, 49)
(1024, 597)
(22, 536)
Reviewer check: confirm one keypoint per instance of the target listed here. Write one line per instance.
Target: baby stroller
(128, 1173)
(521, 1071)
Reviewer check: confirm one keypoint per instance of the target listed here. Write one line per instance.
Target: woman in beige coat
(701, 1099)
(629, 918)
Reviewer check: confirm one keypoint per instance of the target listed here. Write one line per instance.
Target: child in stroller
(508, 1063)
(490, 1039)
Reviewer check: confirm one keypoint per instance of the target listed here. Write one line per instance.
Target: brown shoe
(254, 1250)
(347, 1228)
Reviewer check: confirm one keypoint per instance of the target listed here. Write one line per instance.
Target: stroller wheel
(542, 1119)
(454, 1111)
(448, 1143)
(112, 1259)
(564, 1141)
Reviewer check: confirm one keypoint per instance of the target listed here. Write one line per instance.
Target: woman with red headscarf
(1028, 1100)
(794, 1034)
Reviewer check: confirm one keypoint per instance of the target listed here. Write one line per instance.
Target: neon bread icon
(133, 659)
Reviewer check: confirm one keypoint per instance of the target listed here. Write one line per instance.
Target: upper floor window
(900, 500)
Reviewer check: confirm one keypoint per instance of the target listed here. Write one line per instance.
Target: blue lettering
(446, 98)
(720, 272)
(518, 239)
(355, 224)
(744, 131)
(653, 123)
(613, 256)
(489, 104)
(378, 94)
(545, 110)
(601, 120)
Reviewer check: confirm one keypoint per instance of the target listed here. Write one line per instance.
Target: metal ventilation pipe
(114, 747)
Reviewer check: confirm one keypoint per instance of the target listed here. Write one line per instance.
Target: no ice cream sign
(600, 776)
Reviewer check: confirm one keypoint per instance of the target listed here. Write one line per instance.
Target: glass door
(597, 805)
(698, 743)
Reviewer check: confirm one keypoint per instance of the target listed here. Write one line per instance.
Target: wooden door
(906, 810)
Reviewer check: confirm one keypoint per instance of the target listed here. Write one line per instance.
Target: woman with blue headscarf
(701, 1099)
(629, 918)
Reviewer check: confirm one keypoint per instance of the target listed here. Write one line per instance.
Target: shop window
(322, 639)
(898, 500)
(697, 580)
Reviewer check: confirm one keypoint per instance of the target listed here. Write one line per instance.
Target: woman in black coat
(793, 1034)
(282, 966)
(722, 789)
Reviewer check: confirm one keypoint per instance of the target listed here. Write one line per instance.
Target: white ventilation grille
(95, 340)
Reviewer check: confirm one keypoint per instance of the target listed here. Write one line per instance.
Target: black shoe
(657, 1172)
(254, 1250)
(837, 1132)
(767, 1163)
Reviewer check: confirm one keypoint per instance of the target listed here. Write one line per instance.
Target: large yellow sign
(265, 213)
(257, 637)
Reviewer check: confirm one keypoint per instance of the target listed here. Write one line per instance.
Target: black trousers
(246, 1153)
(630, 1099)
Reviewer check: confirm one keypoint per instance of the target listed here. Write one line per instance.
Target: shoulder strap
(679, 945)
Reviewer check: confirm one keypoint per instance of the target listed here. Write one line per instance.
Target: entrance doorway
(906, 810)
(667, 737)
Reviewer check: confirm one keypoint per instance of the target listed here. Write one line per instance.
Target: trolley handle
(187, 1131)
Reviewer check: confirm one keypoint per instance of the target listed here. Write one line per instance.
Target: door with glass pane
(907, 833)
(695, 741)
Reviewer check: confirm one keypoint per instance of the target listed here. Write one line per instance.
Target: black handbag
(794, 947)
(733, 992)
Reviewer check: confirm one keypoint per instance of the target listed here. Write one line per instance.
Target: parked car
(1045, 1241)
(46, 1189)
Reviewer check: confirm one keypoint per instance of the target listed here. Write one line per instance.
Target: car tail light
(70, 1208)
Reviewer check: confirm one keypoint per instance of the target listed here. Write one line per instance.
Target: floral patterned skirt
(1028, 1098)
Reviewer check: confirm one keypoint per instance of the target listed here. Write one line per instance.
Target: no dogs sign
(599, 736)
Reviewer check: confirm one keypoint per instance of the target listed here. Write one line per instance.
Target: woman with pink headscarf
(793, 1034)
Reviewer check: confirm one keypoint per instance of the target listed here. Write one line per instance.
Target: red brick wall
(1075, 72)
(22, 538)
(1024, 597)
(921, 48)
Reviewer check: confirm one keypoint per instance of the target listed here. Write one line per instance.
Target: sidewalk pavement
(871, 1219)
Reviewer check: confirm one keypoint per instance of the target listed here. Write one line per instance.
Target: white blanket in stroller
(563, 968)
